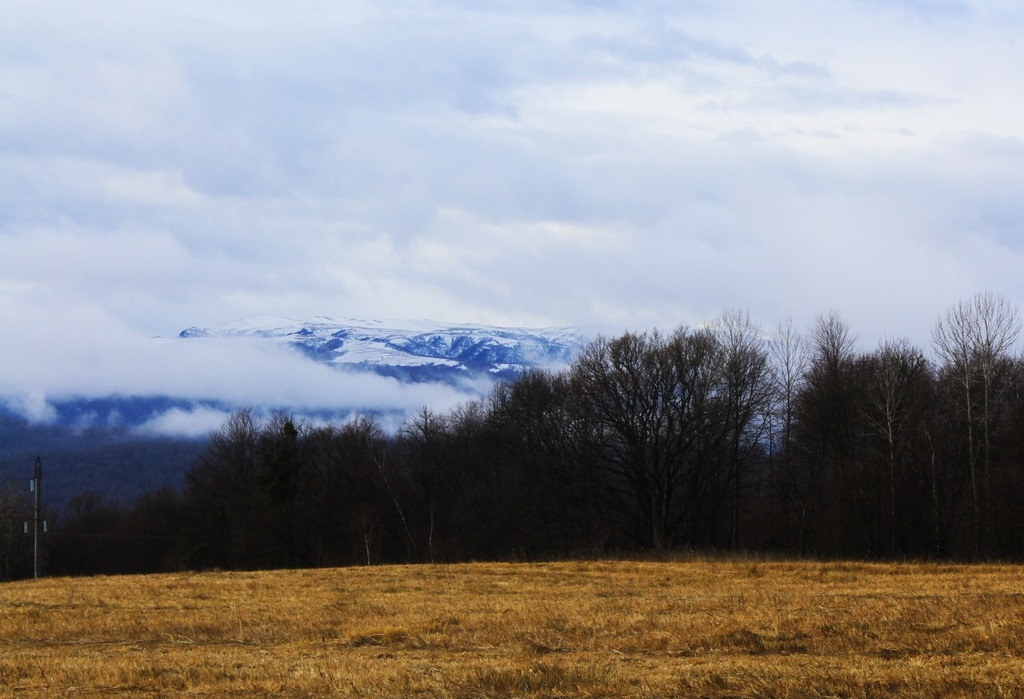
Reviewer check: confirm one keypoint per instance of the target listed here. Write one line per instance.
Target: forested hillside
(114, 462)
(724, 437)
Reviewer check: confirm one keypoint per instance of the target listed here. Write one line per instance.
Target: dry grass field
(586, 629)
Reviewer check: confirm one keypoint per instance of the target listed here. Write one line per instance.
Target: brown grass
(588, 629)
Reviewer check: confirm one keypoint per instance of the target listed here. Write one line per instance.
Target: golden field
(700, 628)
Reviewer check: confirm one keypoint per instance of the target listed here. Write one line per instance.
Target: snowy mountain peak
(418, 351)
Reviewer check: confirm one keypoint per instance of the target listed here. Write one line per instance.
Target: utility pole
(36, 486)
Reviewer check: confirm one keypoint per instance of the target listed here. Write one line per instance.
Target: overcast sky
(603, 164)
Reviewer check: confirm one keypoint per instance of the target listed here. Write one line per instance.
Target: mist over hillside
(116, 463)
(139, 422)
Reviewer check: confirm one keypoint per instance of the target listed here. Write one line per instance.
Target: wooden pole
(37, 482)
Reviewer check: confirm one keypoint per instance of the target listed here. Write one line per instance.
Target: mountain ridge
(407, 349)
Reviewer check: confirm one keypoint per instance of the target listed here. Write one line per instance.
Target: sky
(611, 165)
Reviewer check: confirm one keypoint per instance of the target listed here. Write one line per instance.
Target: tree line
(715, 438)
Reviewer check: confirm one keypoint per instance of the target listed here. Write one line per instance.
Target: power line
(88, 535)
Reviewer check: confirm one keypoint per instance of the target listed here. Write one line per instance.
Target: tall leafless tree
(224, 484)
(974, 340)
(747, 393)
(789, 361)
(825, 419)
(627, 386)
(892, 408)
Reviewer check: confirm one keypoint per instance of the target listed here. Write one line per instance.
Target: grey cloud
(814, 98)
(928, 10)
(618, 165)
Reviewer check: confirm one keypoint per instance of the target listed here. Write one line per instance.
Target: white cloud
(198, 421)
(30, 404)
(78, 351)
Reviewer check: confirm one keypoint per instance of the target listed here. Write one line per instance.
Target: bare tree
(15, 547)
(349, 497)
(627, 387)
(426, 444)
(747, 394)
(974, 340)
(224, 485)
(832, 340)
(789, 361)
(892, 409)
(825, 416)
(281, 472)
(547, 440)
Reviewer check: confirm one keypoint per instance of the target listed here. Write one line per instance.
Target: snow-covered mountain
(415, 351)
